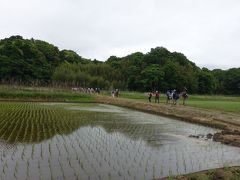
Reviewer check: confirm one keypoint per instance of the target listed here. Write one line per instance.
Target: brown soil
(232, 173)
(230, 137)
(228, 122)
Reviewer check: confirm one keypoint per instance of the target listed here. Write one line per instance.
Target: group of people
(156, 95)
(115, 93)
(86, 90)
(171, 95)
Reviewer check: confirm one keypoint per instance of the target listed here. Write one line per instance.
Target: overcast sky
(206, 31)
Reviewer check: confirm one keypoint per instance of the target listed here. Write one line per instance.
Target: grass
(21, 93)
(130, 95)
(42, 94)
(217, 105)
(222, 103)
(214, 102)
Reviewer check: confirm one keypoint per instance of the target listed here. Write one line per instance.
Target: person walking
(169, 96)
(175, 97)
(116, 93)
(113, 93)
(184, 95)
(157, 94)
(149, 96)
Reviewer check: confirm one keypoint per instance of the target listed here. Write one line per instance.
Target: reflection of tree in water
(149, 134)
(33, 123)
(154, 135)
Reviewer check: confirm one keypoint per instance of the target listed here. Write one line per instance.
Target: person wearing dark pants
(149, 96)
(157, 94)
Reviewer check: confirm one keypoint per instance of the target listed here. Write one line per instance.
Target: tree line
(36, 62)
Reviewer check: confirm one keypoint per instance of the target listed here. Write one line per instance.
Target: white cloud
(206, 31)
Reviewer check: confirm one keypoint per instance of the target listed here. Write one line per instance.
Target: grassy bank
(214, 102)
(19, 93)
(186, 113)
(22, 93)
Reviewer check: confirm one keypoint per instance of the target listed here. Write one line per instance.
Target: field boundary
(215, 119)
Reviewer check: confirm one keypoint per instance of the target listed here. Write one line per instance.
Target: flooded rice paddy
(95, 141)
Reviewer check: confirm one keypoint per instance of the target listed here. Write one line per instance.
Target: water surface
(95, 141)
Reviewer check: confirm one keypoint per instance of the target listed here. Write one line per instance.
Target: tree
(29, 61)
(152, 77)
(232, 81)
(206, 82)
(70, 56)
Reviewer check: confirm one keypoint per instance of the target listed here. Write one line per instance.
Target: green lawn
(216, 102)
(229, 106)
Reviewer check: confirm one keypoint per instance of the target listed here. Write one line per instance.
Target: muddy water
(104, 142)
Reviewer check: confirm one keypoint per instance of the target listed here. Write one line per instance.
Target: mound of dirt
(228, 137)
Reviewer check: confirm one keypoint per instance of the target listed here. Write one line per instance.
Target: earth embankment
(229, 122)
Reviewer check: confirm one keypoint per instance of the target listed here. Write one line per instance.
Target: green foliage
(26, 61)
(206, 80)
(84, 75)
(232, 81)
(33, 61)
(152, 77)
(157, 70)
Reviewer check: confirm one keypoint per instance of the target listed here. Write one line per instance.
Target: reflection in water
(90, 141)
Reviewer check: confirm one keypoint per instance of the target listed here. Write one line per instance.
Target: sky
(206, 31)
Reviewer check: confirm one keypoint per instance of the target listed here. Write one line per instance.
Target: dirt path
(228, 122)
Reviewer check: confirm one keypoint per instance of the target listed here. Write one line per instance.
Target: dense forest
(36, 62)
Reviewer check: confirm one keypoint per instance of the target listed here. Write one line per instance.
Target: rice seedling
(52, 141)
(16, 170)
(28, 169)
(4, 168)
